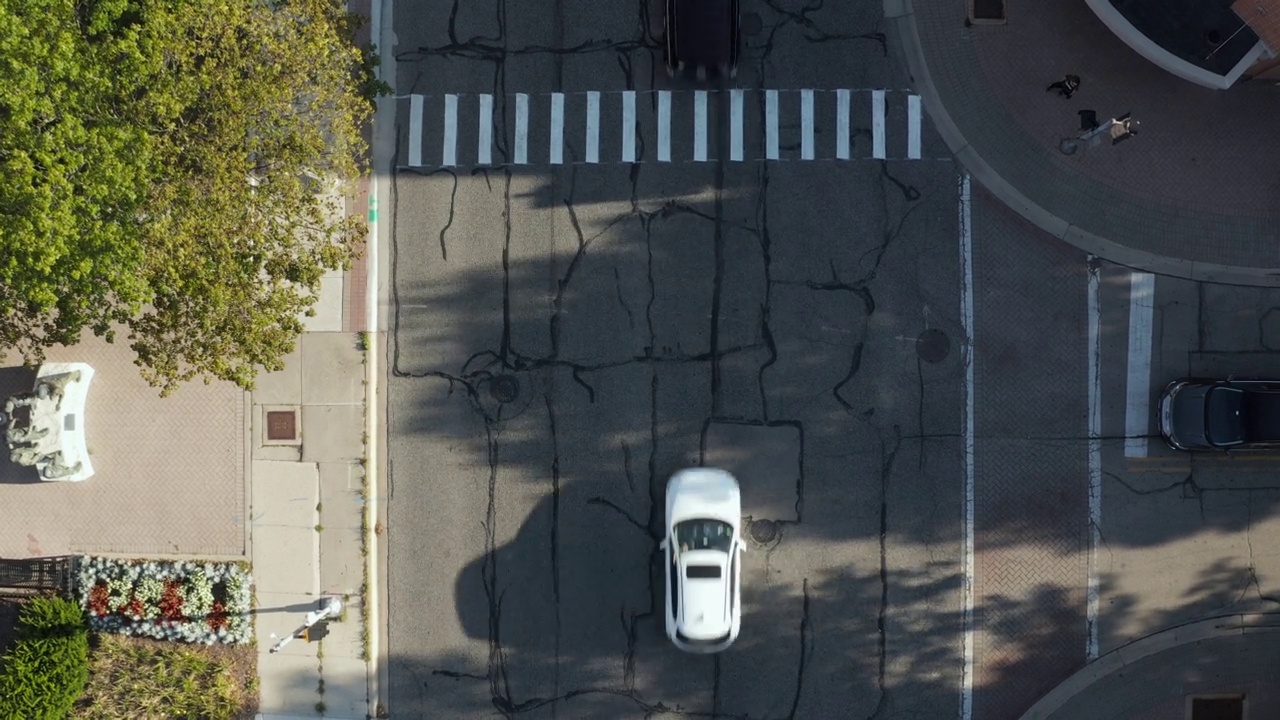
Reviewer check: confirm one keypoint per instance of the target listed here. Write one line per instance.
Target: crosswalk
(629, 126)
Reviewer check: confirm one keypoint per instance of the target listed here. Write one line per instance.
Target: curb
(901, 16)
(1144, 647)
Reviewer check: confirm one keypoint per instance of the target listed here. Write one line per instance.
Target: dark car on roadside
(703, 38)
(1197, 414)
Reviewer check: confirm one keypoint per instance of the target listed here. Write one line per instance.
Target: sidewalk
(1194, 194)
(308, 449)
(1236, 655)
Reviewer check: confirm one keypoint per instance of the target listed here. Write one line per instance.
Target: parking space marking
(842, 124)
(664, 126)
(1095, 456)
(913, 127)
(522, 129)
(735, 125)
(700, 126)
(877, 125)
(1137, 411)
(966, 319)
(557, 128)
(415, 130)
(593, 126)
(629, 126)
(806, 124)
(484, 142)
(771, 124)
(449, 148)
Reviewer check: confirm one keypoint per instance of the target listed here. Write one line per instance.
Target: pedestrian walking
(1067, 85)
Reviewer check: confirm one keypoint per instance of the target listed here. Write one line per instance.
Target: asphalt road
(794, 316)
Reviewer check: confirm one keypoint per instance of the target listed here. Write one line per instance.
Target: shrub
(46, 671)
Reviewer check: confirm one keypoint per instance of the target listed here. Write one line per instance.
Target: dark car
(702, 38)
(1221, 414)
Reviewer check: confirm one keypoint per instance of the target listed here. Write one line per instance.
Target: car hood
(705, 611)
(1187, 416)
(703, 493)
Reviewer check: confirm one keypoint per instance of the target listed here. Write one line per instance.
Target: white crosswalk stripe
(666, 126)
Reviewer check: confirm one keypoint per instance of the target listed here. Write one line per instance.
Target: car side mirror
(663, 544)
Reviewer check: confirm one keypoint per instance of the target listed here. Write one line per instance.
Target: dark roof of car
(1262, 415)
(704, 31)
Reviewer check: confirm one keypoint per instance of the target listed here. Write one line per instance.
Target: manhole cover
(504, 388)
(282, 425)
(751, 24)
(933, 346)
(764, 531)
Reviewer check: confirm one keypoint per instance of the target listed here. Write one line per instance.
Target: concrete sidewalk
(307, 507)
(1235, 655)
(1192, 195)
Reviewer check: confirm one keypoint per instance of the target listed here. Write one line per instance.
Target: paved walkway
(1194, 194)
(1152, 678)
(307, 507)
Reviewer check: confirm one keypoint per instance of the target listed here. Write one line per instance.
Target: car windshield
(704, 534)
(1224, 407)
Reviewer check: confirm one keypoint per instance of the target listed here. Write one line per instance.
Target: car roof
(1263, 415)
(705, 609)
(704, 31)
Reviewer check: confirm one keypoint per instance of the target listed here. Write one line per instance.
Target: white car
(702, 547)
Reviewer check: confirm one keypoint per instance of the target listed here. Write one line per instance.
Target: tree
(174, 171)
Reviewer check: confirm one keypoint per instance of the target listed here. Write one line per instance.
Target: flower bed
(197, 602)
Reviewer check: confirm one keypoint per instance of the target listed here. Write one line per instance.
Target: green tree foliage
(174, 171)
(47, 670)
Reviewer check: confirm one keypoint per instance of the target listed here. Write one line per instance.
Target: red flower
(98, 599)
(135, 608)
(171, 602)
(218, 616)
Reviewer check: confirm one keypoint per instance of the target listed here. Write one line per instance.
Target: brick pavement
(1031, 458)
(1171, 199)
(170, 473)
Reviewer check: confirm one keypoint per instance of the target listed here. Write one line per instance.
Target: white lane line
(842, 124)
(664, 126)
(966, 318)
(1095, 457)
(415, 130)
(913, 127)
(877, 124)
(629, 126)
(484, 144)
(449, 149)
(1137, 411)
(771, 124)
(593, 126)
(700, 126)
(735, 125)
(522, 129)
(557, 128)
(806, 124)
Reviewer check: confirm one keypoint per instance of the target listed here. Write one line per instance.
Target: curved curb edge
(900, 15)
(1144, 647)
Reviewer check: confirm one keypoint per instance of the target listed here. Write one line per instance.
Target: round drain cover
(764, 531)
(504, 388)
(933, 346)
(751, 24)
